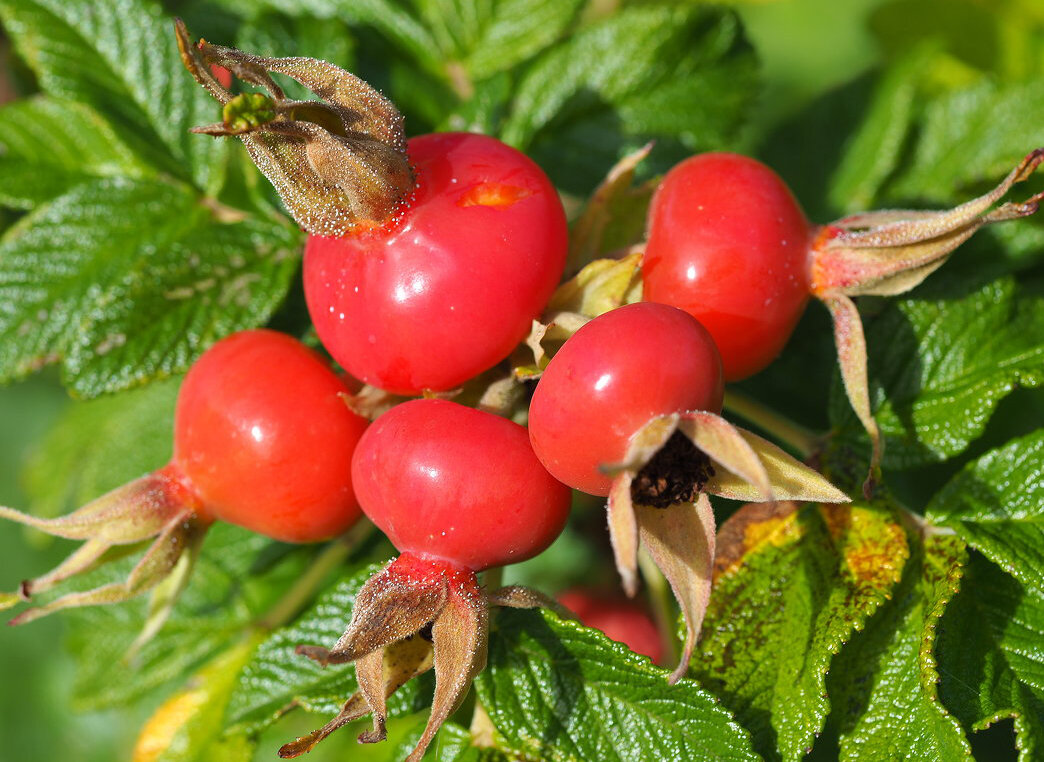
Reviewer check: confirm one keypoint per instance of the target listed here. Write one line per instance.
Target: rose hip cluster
(427, 263)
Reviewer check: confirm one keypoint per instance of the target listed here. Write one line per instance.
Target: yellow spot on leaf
(160, 730)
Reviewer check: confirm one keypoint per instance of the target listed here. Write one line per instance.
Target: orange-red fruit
(613, 376)
(728, 243)
(450, 288)
(449, 482)
(263, 436)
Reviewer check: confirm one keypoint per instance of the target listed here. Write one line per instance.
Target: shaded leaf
(884, 683)
(990, 662)
(98, 445)
(676, 70)
(970, 136)
(874, 151)
(189, 726)
(238, 575)
(941, 365)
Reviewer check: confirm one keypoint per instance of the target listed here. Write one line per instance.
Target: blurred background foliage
(831, 73)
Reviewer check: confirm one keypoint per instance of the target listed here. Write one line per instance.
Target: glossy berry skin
(451, 287)
(264, 438)
(613, 376)
(728, 244)
(444, 481)
(619, 618)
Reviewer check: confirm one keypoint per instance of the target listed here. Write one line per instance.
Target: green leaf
(970, 137)
(990, 660)
(277, 680)
(996, 504)
(466, 42)
(884, 682)
(648, 71)
(557, 690)
(874, 152)
(49, 145)
(120, 58)
(939, 366)
(517, 30)
(395, 23)
(793, 588)
(98, 445)
(237, 576)
(122, 281)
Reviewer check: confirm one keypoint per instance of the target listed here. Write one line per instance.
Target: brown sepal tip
(339, 163)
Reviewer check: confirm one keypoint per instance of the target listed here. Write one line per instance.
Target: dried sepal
(393, 604)
(727, 448)
(460, 638)
(155, 506)
(371, 402)
(414, 614)
(623, 531)
(680, 540)
(589, 229)
(543, 341)
(158, 562)
(339, 164)
(852, 358)
(399, 663)
(521, 597)
(166, 594)
(658, 501)
(601, 286)
(889, 252)
(502, 396)
(790, 478)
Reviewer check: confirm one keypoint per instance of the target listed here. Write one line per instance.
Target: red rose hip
(728, 243)
(452, 286)
(450, 482)
(612, 377)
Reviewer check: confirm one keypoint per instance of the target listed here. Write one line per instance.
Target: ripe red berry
(451, 287)
(450, 482)
(619, 618)
(264, 437)
(613, 376)
(456, 490)
(728, 244)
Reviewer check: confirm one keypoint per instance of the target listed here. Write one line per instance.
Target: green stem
(493, 578)
(303, 590)
(660, 596)
(804, 441)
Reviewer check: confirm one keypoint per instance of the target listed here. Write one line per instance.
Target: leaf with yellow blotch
(189, 726)
(784, 575)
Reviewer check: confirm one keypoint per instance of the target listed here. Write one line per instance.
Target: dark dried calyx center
(676, 474)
